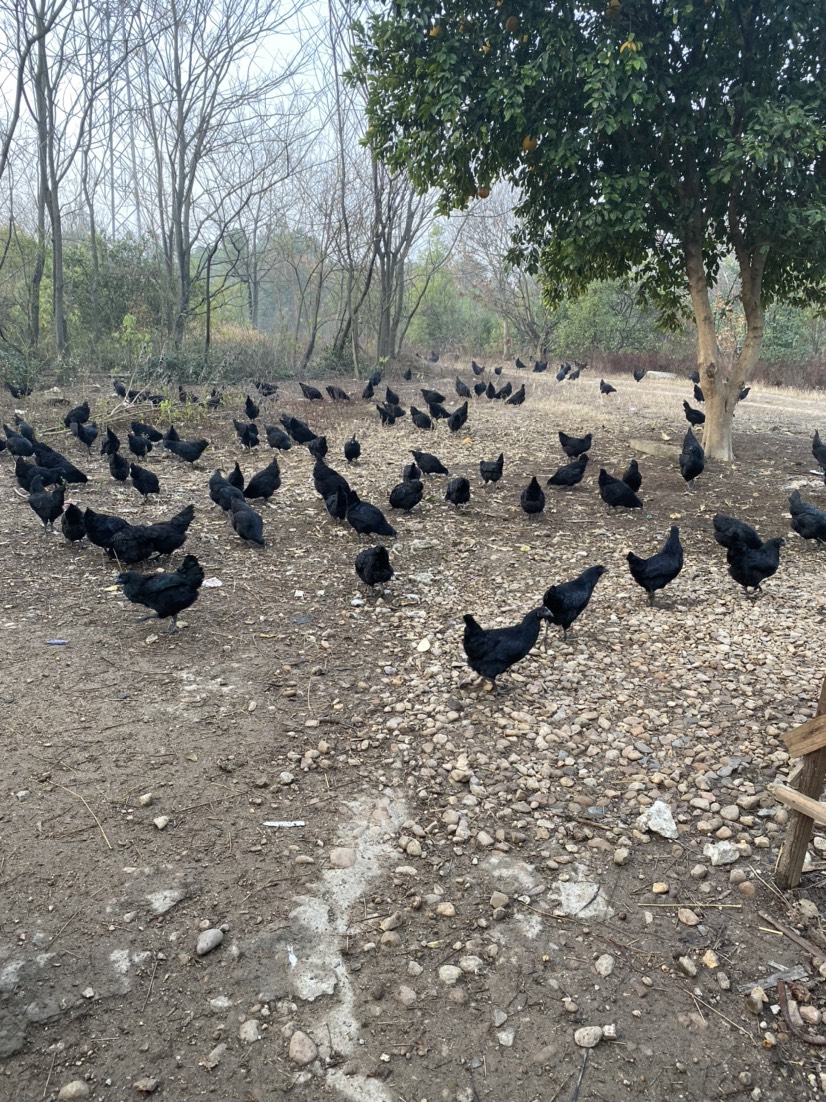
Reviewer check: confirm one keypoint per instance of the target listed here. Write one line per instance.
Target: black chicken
(48, 504)
(264, 483)
(695, 376)
(475, 368)
(462, 389)
(265, 389)
(639, 374)
(491, 469)
(139, 446)
(437, 411)
(432, 397)
(564, 369)
(632, 477)
(352, 449)
(337, 394)
(504, 392)
(693, 416)
(744, 393)
(807, 520)
(336, 504)
(373, 565)
(726, 529)
(18, 446)
(100, 528)
(118, 467)
(571, 474)
(78, 416)
(48, 457)
(326, 480)
(167, 594)
(411, 472)
(606, 388)
(692, 459)
(248, 524)
(574, 446)
(615, 493)
(86, 434)
(532, 498)
(247, 433)
(277, 438)
(145, 482)
(491, 652)
(420, 420)
(517, 398)
(659, 570)
(391, 397)
(141, 429)
(490, 392)
(71, 524)
(539, 366)
(457, 491)
(236, 477)
(388, 417)
(698, 394)
(368, 391)
(750, 566)
(317, 447)
(568, 600)
(167, 536)
(25, 472)
(311, 393)
(188, 450)
(457, 419)
(251, 408)
(819, 450)
(365, 518)
(222, 492)
(111, 444)
(21, 391)
(299, 430)
(429, 464)
(479, 389)
(407, 374)
(406, 495)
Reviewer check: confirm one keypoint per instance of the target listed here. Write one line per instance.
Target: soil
(424, 889)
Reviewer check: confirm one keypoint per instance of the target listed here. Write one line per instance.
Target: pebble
(446, 910)
(303, 1049)
(621, 855)
(588, 1036)
(472, 965)
(499, 899)
(449, 974)
(76, 1089)
(687, 966)
(406, 995)
(250, 1031)
(660, 888)
(208, 940)
(221, 1004)
(506, 1038)
(687, 916)
(162, 822)
(721, 853)
(604, 965)
(658, 818)
(342, 857)
(146, 1085)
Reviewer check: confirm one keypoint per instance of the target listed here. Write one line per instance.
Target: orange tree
(649, 139)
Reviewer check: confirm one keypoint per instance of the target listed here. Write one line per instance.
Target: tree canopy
(648, 138)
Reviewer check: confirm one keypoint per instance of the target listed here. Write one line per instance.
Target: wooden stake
(800, 826)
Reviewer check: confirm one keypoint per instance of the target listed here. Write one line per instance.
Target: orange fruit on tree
(435, 31)
(512, 24)
(529, 143)
(483, 192)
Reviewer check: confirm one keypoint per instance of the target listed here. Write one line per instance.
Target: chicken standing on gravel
(659, 570)
(490, 653)
(568, 600)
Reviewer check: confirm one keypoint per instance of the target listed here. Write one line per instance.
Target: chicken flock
(43, 473)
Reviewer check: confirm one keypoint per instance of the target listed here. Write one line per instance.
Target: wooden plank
(806, 738)
(800, 826)
(796, 800)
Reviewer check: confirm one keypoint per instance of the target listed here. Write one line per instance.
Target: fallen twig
(88, 808)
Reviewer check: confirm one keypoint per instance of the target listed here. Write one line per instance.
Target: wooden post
(799, 828)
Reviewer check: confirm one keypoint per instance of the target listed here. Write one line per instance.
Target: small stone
(658, 818)
(146, 1085)
(609, 1032)
(710, 959)
(414, 968)
(660, 888)
(755, 1000)
(747, 889)
(687, 966)
(208, 940)
(214, 1058)
(699, 872)
(406, 996)
(472, 966)
(687, 917)
(588, 1036)
(810, 1015)
(446, 910)
(499, 899)
(162, 822)
(392, 922)
(146, 800)
(621, 855)
(250, 1031)
(506, 1038)
(449, 974)
(423, 646)
(569, 1006)
(604, 965)
(76, 1089)
(303, 1049)
(221, 1004)
(413, 848)
(723, 982)
(721, 853)
(342, 857)
(390, 939)
(499, 1016)
(484, 839)
(731, 813)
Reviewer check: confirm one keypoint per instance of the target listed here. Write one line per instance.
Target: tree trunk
(719, 409)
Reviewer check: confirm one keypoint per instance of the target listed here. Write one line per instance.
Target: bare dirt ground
(458, 882)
